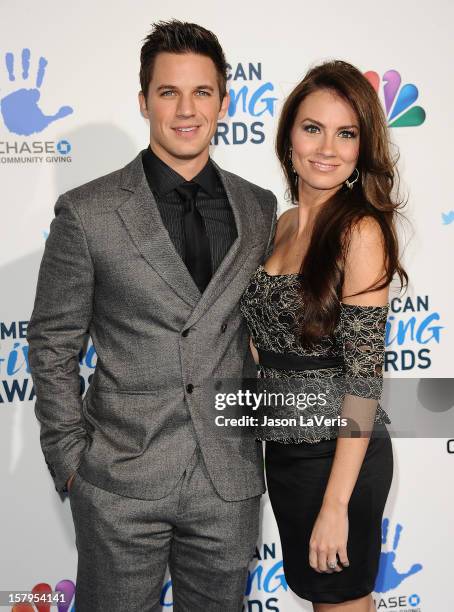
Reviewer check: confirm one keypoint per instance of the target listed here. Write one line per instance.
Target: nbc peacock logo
(399, 101)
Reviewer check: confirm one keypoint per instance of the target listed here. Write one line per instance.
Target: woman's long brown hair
(373, 195)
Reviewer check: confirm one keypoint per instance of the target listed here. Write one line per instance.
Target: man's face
(183, 106)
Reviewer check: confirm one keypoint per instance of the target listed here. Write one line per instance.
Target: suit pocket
(121, 423)
(102, 391)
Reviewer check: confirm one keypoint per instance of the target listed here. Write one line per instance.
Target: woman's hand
(329, 538)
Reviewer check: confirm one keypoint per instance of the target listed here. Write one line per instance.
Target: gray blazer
(110, 270)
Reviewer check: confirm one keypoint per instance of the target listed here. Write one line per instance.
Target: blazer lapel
(250, 227)
(142, 220)
(141, 217)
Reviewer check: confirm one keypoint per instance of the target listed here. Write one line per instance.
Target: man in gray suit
(151, 262)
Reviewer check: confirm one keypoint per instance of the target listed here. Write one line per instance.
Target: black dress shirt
(211, 202)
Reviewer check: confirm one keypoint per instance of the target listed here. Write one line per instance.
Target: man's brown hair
(181, 37)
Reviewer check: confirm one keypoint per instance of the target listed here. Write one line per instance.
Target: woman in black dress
(317, 310)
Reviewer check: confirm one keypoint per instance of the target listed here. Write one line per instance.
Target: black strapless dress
(298, 462)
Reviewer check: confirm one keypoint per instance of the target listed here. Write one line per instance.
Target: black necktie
(197, 247)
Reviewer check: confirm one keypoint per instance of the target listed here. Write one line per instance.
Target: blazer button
(223, 327)
(190, 388)
(185, 333)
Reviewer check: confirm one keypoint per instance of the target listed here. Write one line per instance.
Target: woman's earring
(351, 183)
(292, 167)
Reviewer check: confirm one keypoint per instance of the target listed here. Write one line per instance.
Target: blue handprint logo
(20, 110)
(388, 576)
(447, 217)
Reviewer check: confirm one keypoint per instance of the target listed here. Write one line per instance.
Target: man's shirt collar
(164, 179)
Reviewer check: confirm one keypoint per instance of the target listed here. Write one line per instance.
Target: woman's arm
(254, 351)
(365, 265)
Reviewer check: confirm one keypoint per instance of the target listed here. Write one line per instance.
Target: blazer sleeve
(56, 333)
(270, 245)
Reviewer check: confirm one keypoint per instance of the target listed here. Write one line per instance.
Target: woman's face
(325, 141)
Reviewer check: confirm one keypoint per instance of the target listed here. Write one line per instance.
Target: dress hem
(314, 597)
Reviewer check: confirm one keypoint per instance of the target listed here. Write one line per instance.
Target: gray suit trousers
(125, 545)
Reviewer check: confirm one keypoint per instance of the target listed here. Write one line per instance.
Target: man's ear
(143, 105)
(224, 106)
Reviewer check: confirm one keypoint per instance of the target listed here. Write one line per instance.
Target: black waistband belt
(279, 361)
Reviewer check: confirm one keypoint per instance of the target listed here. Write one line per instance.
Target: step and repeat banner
(69, 113)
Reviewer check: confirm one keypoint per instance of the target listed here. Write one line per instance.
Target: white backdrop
(92, 53)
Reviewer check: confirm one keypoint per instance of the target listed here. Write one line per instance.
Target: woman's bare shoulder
(286, 220)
